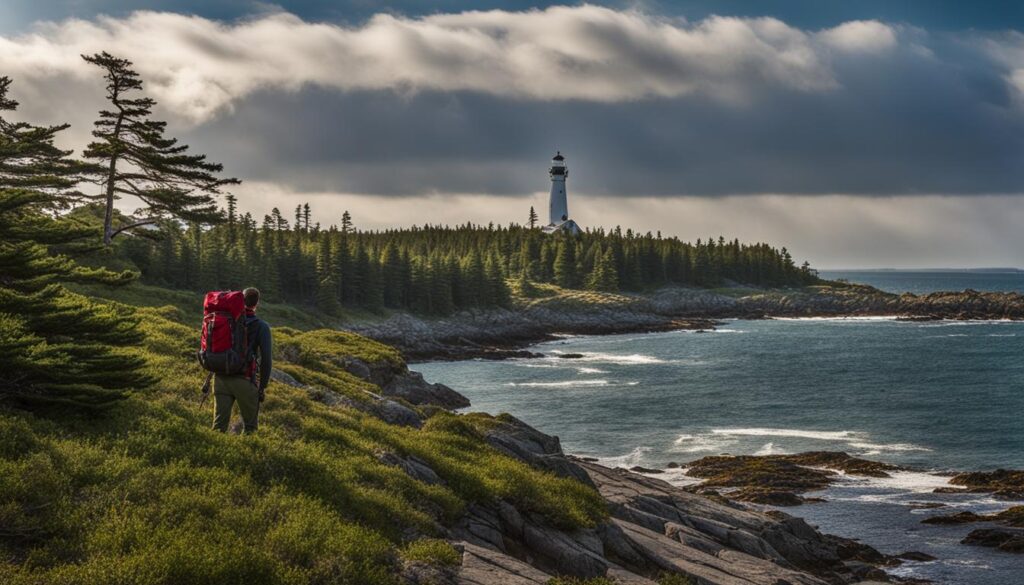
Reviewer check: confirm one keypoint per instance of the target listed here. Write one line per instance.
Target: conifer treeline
(435, 269)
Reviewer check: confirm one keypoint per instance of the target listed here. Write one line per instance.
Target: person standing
(249, 387)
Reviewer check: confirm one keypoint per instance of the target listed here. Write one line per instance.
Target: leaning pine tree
(56, 347)
(139, 161)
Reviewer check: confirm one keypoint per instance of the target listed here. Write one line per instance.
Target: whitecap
(591, 371)
(564, 384)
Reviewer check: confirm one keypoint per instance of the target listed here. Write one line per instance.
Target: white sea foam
(765, 432)
(849, 318)
(973, 323)
(854, 440)
(634, 457)
(700, 443)
(678, 477)
(902, 481)
(769, 449)
(623, 360)
(564, 384)
(591, 371)
(876, 448)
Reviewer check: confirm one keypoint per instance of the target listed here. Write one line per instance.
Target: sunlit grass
(147, 493)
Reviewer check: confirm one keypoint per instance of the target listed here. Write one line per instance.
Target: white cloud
(197, 67)
(860, 36)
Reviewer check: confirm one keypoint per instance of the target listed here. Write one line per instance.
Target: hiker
(249, 386)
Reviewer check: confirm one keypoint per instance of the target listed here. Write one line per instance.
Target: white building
(558, 204)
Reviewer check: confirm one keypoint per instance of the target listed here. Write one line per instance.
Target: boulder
(1002, 483)
(1005, 539)
(412, 388)
(396, 413)
(958, 518)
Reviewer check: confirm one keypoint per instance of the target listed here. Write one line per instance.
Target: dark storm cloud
(642, 104)
(901, 123)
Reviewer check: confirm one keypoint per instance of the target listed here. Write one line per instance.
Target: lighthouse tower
(558, 205)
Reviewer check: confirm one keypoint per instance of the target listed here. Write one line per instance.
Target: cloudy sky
(858, 134)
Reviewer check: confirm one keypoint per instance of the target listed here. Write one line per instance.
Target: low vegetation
(146, 493)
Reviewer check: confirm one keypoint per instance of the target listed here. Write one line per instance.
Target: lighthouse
(558, 205)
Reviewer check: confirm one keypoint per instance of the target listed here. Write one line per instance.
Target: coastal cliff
(498, 333)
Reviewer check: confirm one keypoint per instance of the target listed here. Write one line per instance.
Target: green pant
(228, 389)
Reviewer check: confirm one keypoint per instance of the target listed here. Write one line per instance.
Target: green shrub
(433, 551)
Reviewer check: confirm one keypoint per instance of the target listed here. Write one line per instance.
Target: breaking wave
(716, 439)
(617, 359)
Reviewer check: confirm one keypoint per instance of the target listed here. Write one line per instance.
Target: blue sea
(935, 397)
(926, 281)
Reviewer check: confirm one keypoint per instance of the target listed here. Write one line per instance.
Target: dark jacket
(263, 347)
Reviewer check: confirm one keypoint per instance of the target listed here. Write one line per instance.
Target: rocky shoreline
(504, 333)
(653, 529)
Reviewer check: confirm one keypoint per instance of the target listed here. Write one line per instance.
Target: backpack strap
(251, 338)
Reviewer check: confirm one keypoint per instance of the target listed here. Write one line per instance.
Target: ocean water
(935, 397)
(926, 281)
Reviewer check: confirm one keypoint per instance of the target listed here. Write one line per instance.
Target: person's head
(252, 297)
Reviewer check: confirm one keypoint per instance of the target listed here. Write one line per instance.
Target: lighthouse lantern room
(558, 206)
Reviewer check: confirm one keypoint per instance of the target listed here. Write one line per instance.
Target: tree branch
(134, 225)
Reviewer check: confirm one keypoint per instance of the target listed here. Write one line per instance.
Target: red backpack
(223, 343)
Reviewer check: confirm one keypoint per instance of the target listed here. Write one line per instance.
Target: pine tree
(139, 161)
(346, 222)
(391, 276)
(327, 284)
(605, 276)
(533, 218)
(56, 347)
(31, 160)
(232, 211)
(565, 264)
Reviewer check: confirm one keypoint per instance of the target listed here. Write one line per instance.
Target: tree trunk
(108, 216)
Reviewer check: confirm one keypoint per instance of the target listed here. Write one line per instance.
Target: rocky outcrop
(1001, 483)
(1010, 517)
(778, 480)
(412, 388)
(1005, 539)
(654, 528)
(502, 333)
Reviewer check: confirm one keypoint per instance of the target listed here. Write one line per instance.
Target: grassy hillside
(146, 493)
